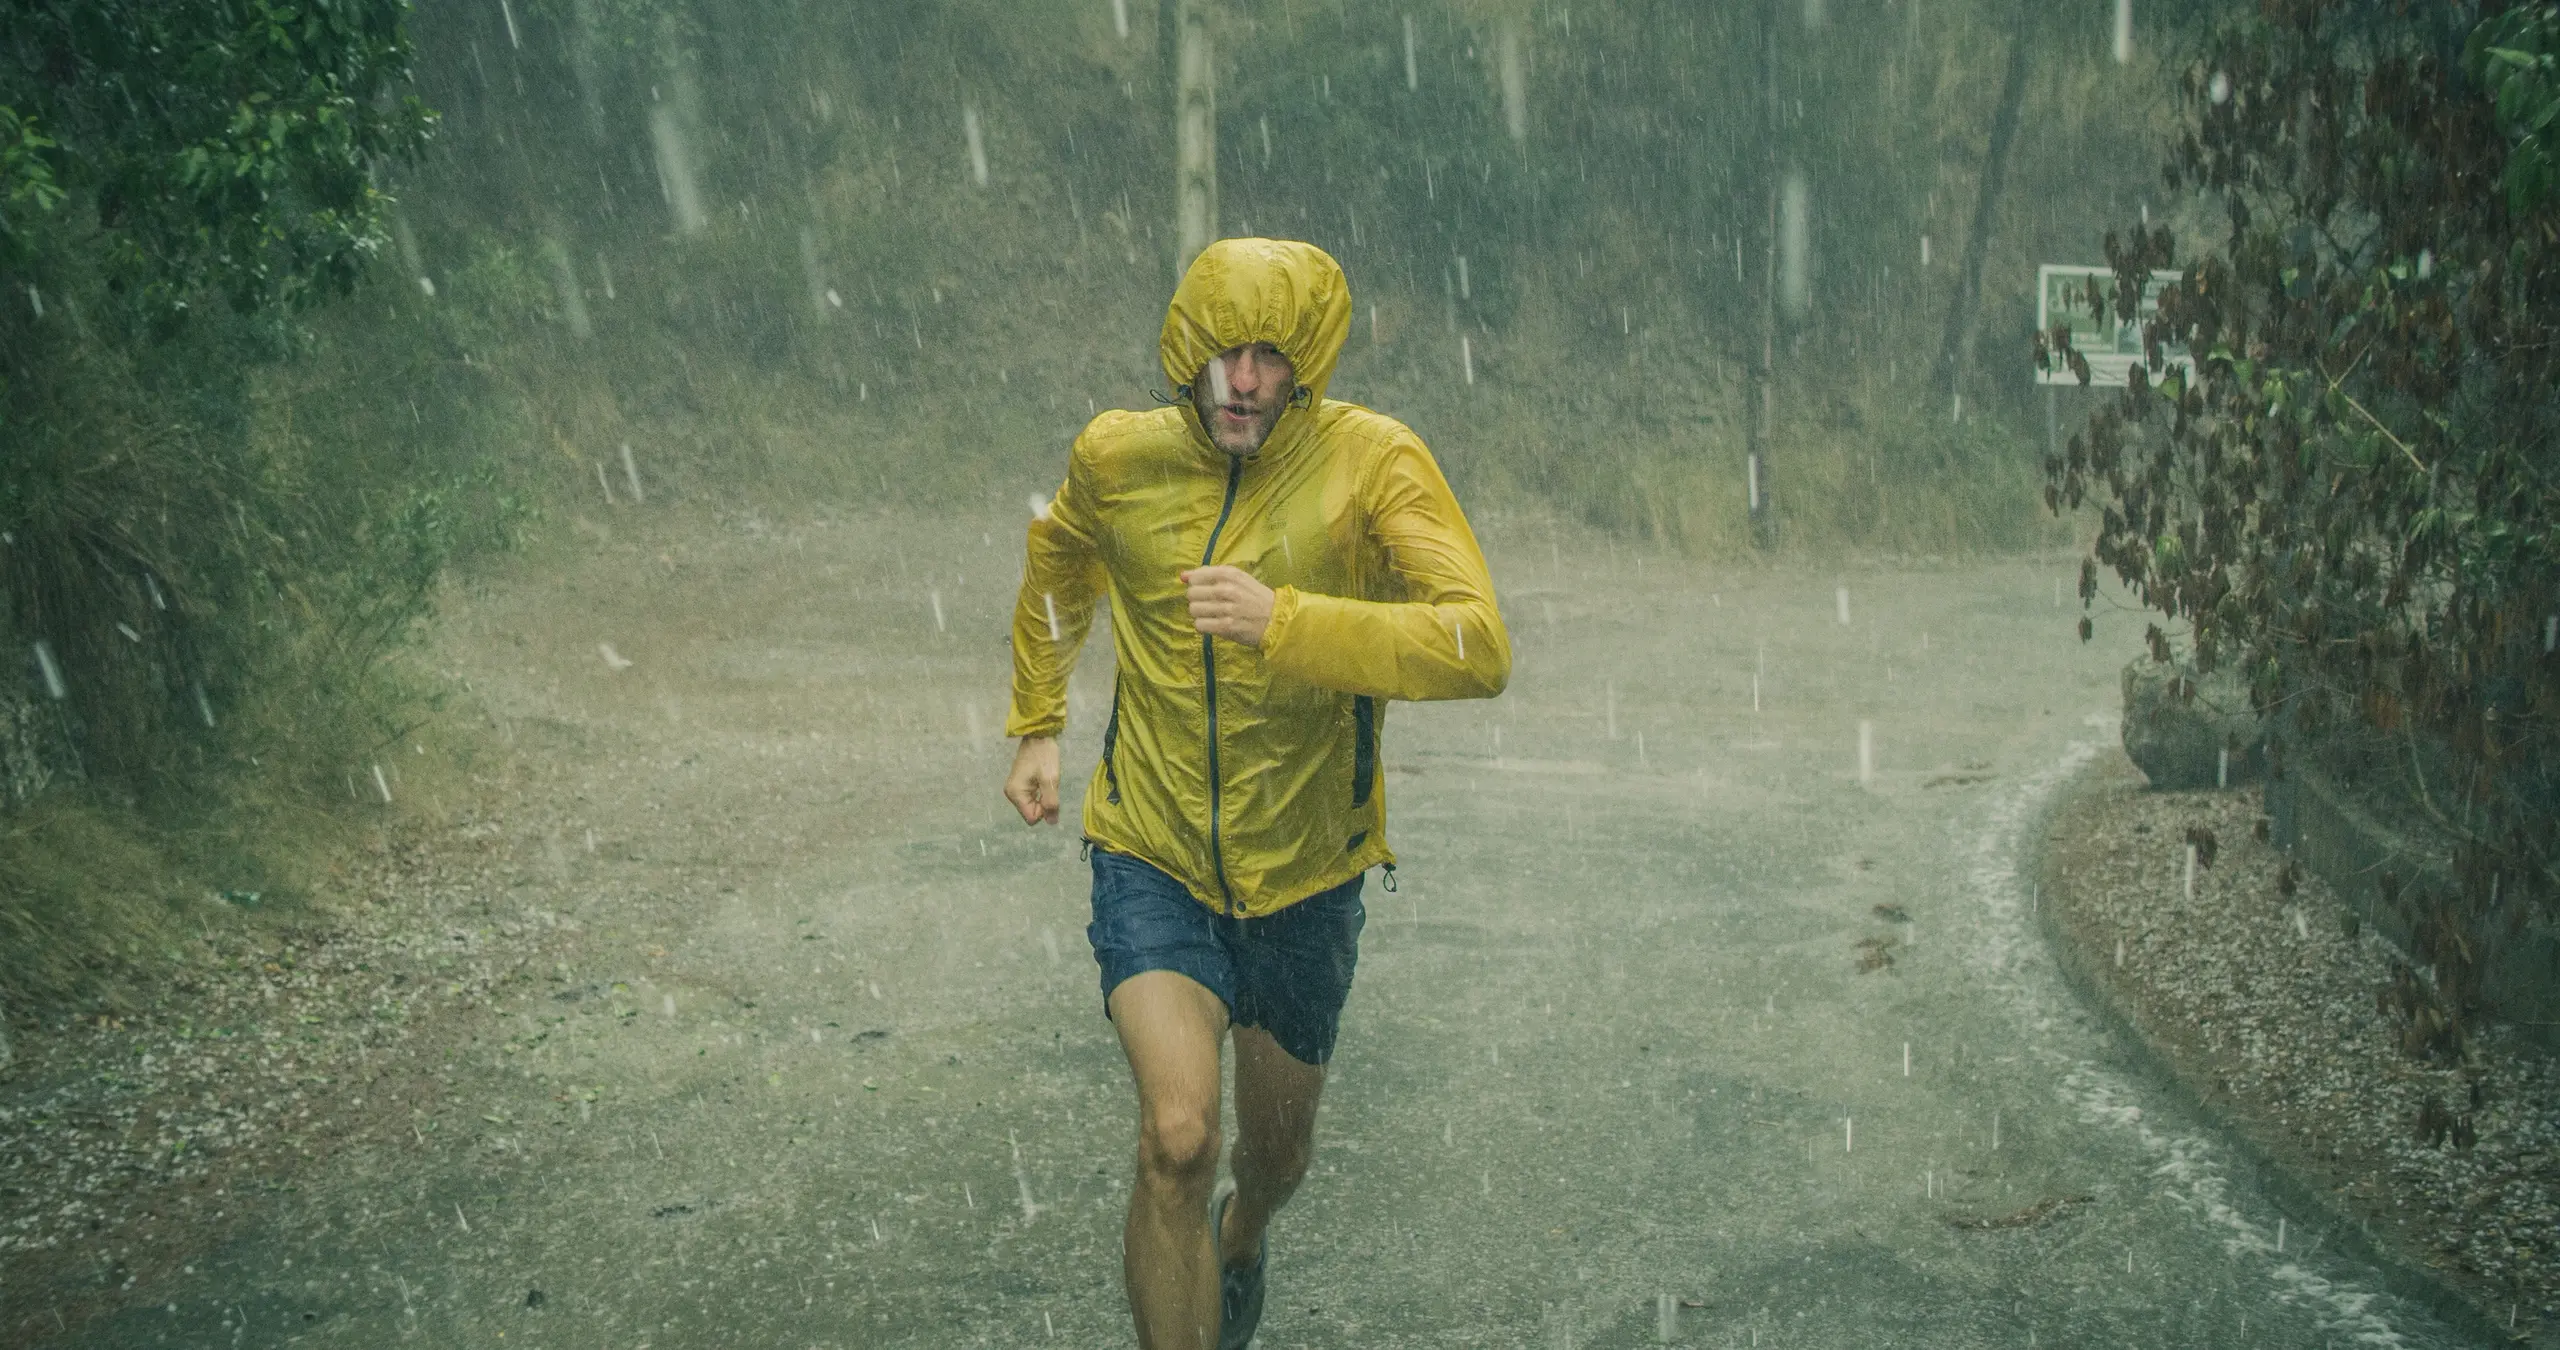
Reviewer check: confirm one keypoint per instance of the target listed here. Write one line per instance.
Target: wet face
(1241, 393)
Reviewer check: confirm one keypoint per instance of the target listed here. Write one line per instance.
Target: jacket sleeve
(1447, 641)
(1062, 579)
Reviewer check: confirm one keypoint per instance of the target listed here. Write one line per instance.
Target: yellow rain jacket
(1252, 774)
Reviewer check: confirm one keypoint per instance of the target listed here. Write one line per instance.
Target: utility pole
(1761, 420)
(1195, 135)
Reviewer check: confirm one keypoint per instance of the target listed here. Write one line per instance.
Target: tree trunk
(1955, 350)
(1761, 419)
(1195, 136)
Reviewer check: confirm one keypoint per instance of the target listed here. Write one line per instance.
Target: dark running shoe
(1239, 1287)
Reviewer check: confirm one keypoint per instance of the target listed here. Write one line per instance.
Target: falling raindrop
(52, 673)
(564, 284)
(936, 597)
(631, 472)
(1120, 17)
(1795, 243)
(1467, 356)
(2124, 32)
(1515, 82)
(977, 143)
(1022, 1180)
(2218, 88)
(675, 172)
(1866, 753)
(1412, 74)
(381, 785)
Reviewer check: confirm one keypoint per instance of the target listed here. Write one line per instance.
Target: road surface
(824, 1062)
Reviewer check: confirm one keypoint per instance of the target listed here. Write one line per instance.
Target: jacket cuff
(1275, 634)
(1017, 727)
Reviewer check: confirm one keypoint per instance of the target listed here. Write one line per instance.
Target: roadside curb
(2296, 1198)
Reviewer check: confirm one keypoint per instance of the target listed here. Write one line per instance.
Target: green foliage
(211, 529)
(2516, 57)
(82, 898)
(224, 147)
(2352, 502)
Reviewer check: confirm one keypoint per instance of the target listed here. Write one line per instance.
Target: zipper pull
(1387, 876)
(1084, 851)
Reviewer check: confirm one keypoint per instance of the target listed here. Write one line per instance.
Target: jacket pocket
(1364, 748)
(1110, 744)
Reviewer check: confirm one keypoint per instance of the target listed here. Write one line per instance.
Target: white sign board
(2111, 348)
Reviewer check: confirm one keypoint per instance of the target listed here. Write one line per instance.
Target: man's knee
(1178, 1145)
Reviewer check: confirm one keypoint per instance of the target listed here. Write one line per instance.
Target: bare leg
(1276, 1098)
(1170, 1027)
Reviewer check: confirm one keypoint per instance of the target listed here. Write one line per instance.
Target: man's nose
(1244, 373)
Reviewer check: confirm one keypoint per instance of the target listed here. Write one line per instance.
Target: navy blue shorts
(1287, 972)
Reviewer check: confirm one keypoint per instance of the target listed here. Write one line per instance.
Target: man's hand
(1227, 602)
(1032, 787)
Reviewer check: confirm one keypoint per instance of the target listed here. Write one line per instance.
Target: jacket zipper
(1209, 672)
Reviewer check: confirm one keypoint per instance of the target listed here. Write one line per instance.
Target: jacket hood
(1290, 294)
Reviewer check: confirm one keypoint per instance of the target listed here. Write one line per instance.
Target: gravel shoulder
(266, 1045)
(2255, 994)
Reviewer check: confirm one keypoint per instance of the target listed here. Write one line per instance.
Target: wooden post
(1195, 136)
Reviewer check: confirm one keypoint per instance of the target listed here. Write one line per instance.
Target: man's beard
(1262, 425)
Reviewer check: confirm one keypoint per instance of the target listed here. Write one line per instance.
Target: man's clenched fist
(1032, 787)
(1227, 602)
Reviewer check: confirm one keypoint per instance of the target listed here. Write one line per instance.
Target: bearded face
(1241, 393)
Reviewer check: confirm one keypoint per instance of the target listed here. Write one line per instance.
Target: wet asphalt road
(1609, 1043)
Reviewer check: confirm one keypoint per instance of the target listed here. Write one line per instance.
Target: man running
(1280, 565)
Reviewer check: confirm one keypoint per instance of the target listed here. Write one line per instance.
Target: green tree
(2353, 499)
(176, 180)
(223, 146)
